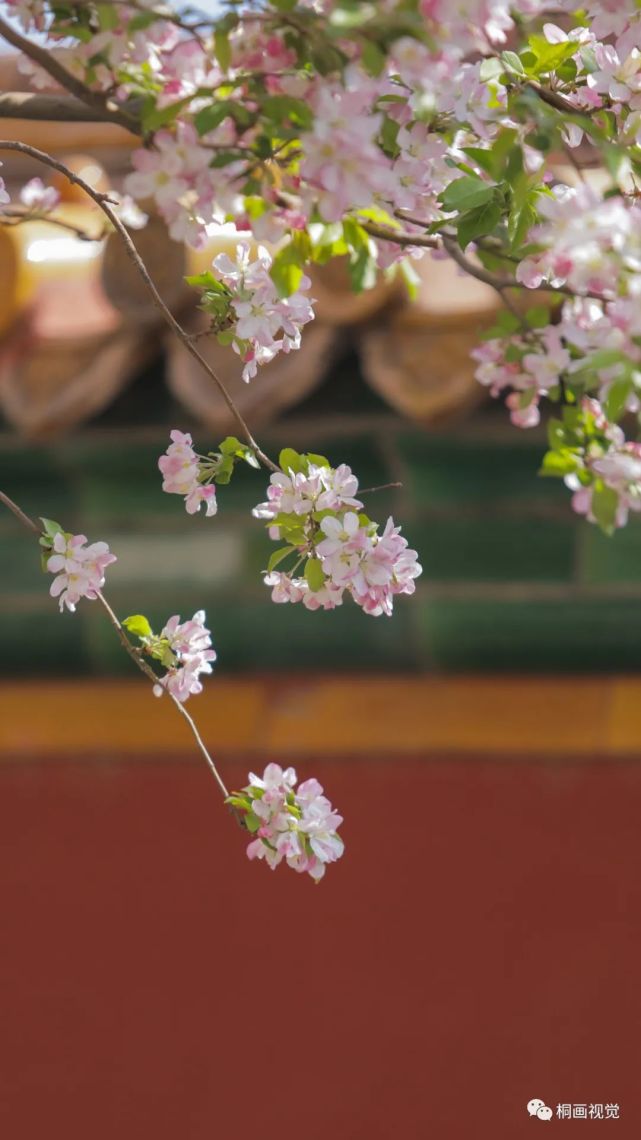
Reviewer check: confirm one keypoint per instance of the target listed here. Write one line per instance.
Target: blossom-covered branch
(380, 134)
(106, 204)
(298, 826)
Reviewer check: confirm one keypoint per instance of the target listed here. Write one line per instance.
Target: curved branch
(48, 62)
(135, 655)
(104, 202)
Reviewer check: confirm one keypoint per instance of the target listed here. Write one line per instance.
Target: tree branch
(52, 109)
(104, 202)
(139, 660)
(136, 655)
(401, 237)
(48, 62)
(555, 99)
(20, 515)
(17, 215)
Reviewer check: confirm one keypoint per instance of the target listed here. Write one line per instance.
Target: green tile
(117, 483)
(545, 635)
(264, 636)
(34, 479)
(614, 559)
(269, 636)
(493, 548)
(447, 470)
(20, 567)
(43, 644)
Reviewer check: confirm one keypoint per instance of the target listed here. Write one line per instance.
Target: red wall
(478, 946)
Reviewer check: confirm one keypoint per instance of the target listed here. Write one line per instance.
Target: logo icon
(539, 1109)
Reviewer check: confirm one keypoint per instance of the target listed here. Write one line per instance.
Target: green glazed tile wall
(513, 580)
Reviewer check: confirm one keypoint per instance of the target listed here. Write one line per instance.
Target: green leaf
(490, 69)
(604, 506)
(523, 215)
(538, 317)
(318, 460)
(556, 434)
(210, 117)
(512, 62)
(158, 117)
(230, 446)
(222, 48)
(602, 358)
(616, 399)
(252, 822)
(207, 281)
(278, 556)
(290, 460)
(138, 625)
(372, 58)
(287, 271)
(280, 108)
(388, 136)
(50, 528)
(224, 470)
(314, 575)
(238, 801)
(559, 463)
(483, 157)
(507, 322)
(361, 265)
(476, 223)
(550, 56)
(466, 193)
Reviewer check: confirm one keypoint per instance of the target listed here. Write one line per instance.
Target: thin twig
(139, 660)
(103, 201)
(135, 654)
(383, 487)
(15, 509)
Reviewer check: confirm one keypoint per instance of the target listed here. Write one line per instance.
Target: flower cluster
(193, 476)
(182, 648)
(79, 569)
(297, 824)
(601, 468)
(335, 548)
(259, 322)
(591, 244)
(183, 472)
(594, 348)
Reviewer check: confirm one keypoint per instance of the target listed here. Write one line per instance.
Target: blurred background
(477, 945)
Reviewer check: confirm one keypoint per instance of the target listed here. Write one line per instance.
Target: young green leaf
(314, 575)
(138, 625)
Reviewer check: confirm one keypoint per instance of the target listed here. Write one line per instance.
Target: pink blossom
(297, 826)
(36, 196)
(264, 323)
(182, 472)
(79, 569)
(185, 649)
